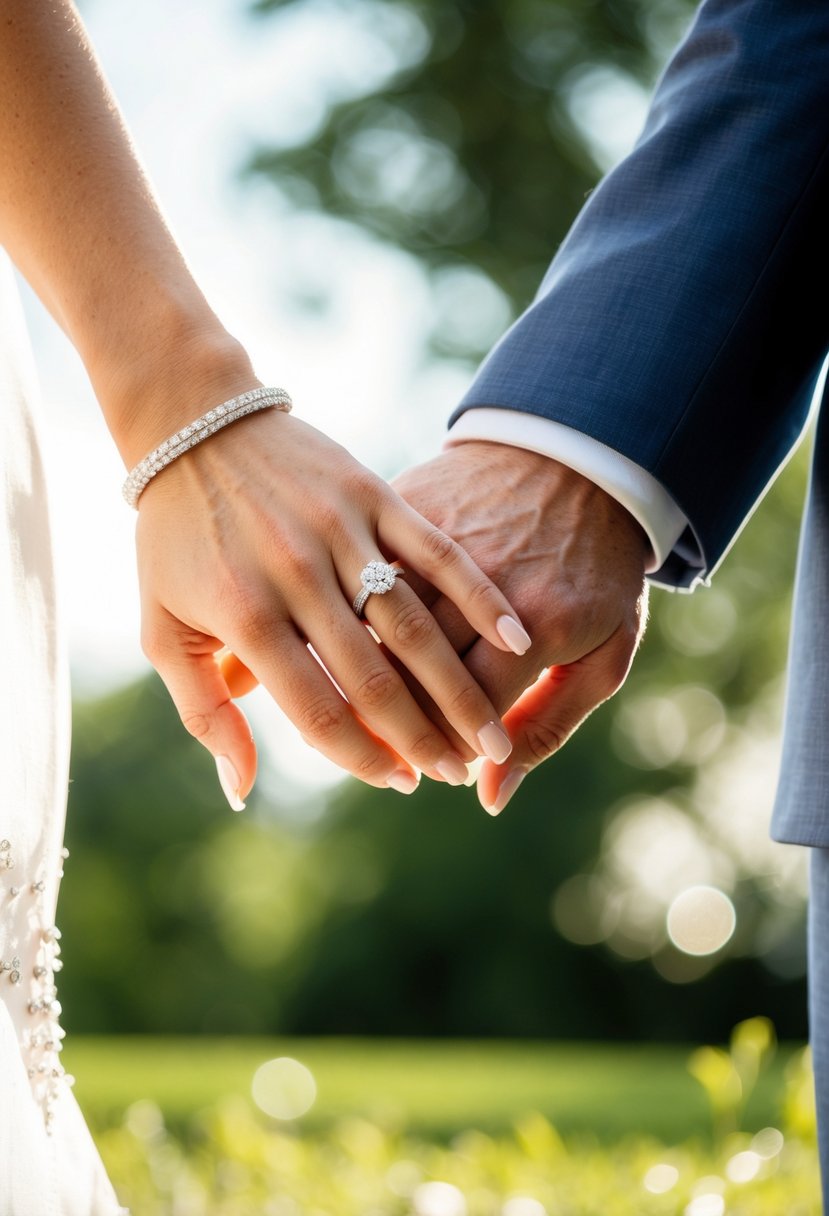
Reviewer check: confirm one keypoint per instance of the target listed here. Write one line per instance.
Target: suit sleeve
(683, 322)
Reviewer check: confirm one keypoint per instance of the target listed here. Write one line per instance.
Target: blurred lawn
(433, 1088)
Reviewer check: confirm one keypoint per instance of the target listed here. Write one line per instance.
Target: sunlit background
(324, 199)
(368, 191)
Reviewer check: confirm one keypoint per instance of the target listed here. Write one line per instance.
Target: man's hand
(570, 558)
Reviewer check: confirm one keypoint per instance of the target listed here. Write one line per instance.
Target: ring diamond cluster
(377, 578)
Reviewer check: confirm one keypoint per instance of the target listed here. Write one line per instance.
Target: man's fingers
(202, 697)
(547, 714)
(240, 680)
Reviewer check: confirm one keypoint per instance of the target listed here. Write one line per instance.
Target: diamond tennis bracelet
(214, 420)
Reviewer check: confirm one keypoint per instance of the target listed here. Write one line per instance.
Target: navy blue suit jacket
(678, 325)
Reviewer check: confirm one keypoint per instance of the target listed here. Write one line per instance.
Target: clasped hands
(246, 548)
(570, 558)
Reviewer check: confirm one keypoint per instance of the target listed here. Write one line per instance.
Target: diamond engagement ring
(377, 578)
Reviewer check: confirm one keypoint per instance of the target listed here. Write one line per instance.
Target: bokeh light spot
(144, 1119)
(702, 625)
(438, 1199)
(402, 1177)
(706, 1205)
(660, 1178)
(701, 920)
(584, 910)
(284, 1088)
(523, 1205)
(742, 1167)
(768, 1142)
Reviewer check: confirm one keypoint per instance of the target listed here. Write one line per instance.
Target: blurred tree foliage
(471, 153)
(422, 915)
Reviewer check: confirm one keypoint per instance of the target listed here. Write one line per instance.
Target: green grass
(407, 1128)
(433, 1088)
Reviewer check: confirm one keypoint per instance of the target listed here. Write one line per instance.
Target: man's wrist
(634, 487)
(573, 497)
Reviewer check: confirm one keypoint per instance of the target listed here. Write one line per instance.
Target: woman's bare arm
(79, 218)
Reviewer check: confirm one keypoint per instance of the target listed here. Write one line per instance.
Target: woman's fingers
(376, 692)
(547, 714)
(186, 662)
(447, 566)
(407, 628)
(283, 664)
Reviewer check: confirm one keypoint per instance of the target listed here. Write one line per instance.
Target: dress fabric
(49, 1165)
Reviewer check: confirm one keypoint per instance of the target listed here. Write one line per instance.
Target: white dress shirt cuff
(642, 495)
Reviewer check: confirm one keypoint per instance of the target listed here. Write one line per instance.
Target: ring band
(377, 578)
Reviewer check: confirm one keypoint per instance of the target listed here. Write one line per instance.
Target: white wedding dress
(49, 1165)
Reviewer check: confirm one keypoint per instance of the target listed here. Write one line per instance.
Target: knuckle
(300, 569)
(414, 625)
(255, 621)
(542, 739)
(370, 765)
(378, 688)
(326, 519)
(322, 720)
(196, 723)
(236, 594)
(465, 702)
(482, 593)
(422, 749)
(361, 485)
(438, 548)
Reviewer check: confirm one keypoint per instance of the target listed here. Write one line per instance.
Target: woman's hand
(254, 541)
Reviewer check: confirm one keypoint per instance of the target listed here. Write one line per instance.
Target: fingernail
(452, 769)
(402, 781)
(229, 781)
(506, 790)
(474, 767)
(514, 634)
(494, 742)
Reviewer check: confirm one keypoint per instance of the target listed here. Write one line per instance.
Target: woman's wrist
(149, 394)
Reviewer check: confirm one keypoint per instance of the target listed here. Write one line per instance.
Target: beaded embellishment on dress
(43, 1041)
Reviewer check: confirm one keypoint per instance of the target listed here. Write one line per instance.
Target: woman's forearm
(78, 217)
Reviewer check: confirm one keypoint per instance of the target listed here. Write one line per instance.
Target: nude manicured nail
(474, 767)
(494, 742)
(514, 634)
(452, 769)
(230, 782)
(506, 790)
(402, 781)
